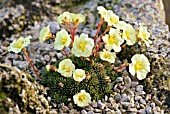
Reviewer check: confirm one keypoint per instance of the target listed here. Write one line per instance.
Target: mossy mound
(19, 94)
(98, 81)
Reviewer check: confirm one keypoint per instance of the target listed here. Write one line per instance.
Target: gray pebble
(119, 79)
(112, 101)
(158, 103)
(86, 31)
(152, 105)
(101, 105)
(118, 111)
(89, 108)
(90, 112)
(65, 109)
(140, 93)
(127, 81)
(117, 97)
(70, 106)
(54, 27)
(139, 88)
(126, 105)
(134, 84)
(83, 112)
(138, 98)
(97, 110)
(47, 58)
(142, 101)
(124, 98)
(148, 110)
(142, 111)
(94, 104)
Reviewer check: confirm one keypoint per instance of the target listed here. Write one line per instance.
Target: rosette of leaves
(62, 89)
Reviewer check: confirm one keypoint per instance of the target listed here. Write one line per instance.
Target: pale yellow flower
(82, 46)
(64, 18)
(66, 68)
(17, 45)
(82, 99)
(48, 67)
(79, 75)
(44, 34)
(139, 65)
(102, 11)
(129, 34)
(120, 25)
(144, 35)
(77, 18)
(108, 56)
(113, 40)
(62, 40)
(111, 18)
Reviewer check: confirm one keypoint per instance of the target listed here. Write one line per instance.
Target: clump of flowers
(84, 69)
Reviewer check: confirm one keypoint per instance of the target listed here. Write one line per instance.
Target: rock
(142, 101)
(89, 108)
(158, 103)
(94, 104)
(90, 112)
(142, 111)
(54, 27)
(70, 106)
(152, 105)
(83, 112)
(101, 105)
(117, 97)
(134, 84)
(47, 58)
(126, 105)
(65, 109)
(140, 93)
(119, 80)
(138, 98)
(112, 101)
(97, 110)
(124, 98)
(127, 81)
(139, 88)
(148, 110)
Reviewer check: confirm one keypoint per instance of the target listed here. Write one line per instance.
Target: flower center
(107, 56)
(81, 98)
(112, 39)
(127, 33)
(67, 69)
(139, 66)
(63, 40)
(82, 45)
(144, 35)
(79, 75)
(113, 20)
(19, 43)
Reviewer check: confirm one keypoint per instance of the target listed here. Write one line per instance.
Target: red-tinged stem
(98, 43)
(65, 53)
(122, 66)
(73, 33)
(123, 46)
(29, 60)
(71, 30)
(52, 37)
(90, 60)
(98, 29)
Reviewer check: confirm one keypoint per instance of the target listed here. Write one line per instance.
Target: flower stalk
(98, 29)
(122, 66)
(30, 62)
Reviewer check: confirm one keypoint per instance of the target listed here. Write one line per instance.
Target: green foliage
(61, 89)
